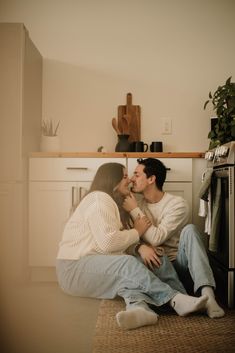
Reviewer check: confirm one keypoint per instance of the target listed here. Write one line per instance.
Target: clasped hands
(141, 223)
(149, 254)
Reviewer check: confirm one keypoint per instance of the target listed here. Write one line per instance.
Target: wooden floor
(40, 318)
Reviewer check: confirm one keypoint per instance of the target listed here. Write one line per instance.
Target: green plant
(48, 129)
(223, 101)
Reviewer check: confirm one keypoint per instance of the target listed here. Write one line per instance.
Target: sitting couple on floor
(112, 246)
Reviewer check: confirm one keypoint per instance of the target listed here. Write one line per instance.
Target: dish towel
(205, 199)
(205, 211)
(205, 185)
(208, 216)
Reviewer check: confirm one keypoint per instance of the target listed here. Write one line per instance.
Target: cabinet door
(6, 228)
(21, 100)
(181, 189)
(50, 205)
(13, 248)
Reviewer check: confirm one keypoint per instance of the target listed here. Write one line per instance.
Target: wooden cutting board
(129, 119)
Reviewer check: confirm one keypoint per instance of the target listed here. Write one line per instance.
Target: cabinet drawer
(179, 169)
(67, 169)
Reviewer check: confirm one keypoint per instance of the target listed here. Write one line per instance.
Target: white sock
(136, 317)
(212, 308)
(185, 304)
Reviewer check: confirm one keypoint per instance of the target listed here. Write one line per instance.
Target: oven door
(225, 251)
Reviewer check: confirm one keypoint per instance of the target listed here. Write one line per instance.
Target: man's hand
(141, 224)
(149, 256)
(129, 203)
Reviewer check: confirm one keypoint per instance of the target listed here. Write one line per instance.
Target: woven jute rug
(192, 334)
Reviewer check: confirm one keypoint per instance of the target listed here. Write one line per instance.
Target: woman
(93, 262)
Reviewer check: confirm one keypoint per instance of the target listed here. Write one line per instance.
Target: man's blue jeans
(192, 260)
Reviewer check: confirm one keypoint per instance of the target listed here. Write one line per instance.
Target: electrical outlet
(166, 126)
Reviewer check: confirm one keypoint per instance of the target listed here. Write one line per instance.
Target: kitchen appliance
(222, 259)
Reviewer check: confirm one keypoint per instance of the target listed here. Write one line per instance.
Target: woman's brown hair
(107, 177)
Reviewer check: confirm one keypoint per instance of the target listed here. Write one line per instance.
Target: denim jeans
(108, 276)
(192, 259)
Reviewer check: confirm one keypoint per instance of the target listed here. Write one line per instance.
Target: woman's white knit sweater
(95, 228)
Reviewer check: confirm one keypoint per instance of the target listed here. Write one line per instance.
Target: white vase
(50, 143)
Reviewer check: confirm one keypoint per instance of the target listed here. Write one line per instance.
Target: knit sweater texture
(95, 228)
(168, 217)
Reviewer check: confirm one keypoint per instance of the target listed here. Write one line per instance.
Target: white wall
(168, 53)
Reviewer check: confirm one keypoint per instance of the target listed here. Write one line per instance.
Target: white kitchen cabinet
(13, 231)
(21, 100)
(20, 115)
(51, 204)
(55, 187)
(178, 178)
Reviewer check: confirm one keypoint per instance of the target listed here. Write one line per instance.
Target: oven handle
(221, 173)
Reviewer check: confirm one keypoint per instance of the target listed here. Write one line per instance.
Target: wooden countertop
(117, 154)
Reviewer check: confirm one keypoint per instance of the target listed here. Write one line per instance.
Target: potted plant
(223, 101)
(50, 141)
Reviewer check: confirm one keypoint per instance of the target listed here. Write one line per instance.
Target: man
(169, 215)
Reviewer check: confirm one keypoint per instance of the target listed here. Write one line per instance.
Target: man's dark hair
(155, 167)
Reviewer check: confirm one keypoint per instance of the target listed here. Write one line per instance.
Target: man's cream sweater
(168, 216)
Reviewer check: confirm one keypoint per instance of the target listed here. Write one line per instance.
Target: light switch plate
(166, 126)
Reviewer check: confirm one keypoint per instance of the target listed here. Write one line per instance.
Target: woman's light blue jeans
(192, 259)
(108, 276)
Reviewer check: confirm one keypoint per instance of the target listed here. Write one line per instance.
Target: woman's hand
(141, 224)
(129, 203)
(149, 256)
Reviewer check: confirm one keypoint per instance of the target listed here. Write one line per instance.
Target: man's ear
(152, 179)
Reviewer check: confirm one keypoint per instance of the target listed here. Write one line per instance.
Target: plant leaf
(205, 104)
(228, 80)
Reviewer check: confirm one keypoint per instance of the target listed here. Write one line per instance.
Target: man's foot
(214, 311)
(134, 318)
(185, 304)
